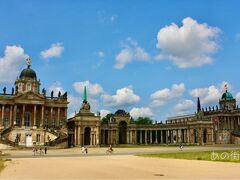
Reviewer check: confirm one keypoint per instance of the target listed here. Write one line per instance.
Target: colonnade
(10, 117)
(147, 136)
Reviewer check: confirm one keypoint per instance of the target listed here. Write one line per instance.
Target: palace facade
(28, 117)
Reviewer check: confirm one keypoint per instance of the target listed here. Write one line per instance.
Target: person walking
(45, 150)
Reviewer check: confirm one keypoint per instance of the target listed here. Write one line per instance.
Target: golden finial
(28, 61)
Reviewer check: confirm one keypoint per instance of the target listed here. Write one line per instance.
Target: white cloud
(211, 94)
(131, 51)
(54, 51)
(141, 112)
(9, 64)
(93, 90)
(162, 96)
(190, 45)
(104, 112)
(183, 107)
(238, 97)
(101, 54)
(123, 97)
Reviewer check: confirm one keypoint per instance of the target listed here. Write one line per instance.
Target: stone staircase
(3, 137)
(61, 138)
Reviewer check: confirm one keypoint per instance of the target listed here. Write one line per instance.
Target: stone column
(140, 136)
(187, 135)
(14, 114)
(212, 136)
(161, 137)
(79, 137)
(166, 136)
(34, 115)
(75, 136)
(146, 132)
(3, 111)
(51, 117)
(97, 136)
(128, 136)
(11, 113)
(58, 117)
(176, 135)
(42, 117)
(150, 136)
(23, 114)
(156, 139)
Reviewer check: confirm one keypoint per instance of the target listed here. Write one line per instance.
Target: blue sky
(129, 52)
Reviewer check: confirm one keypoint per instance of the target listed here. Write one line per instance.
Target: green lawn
(223, 155)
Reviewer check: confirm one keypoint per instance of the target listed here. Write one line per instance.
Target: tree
(143, 120)
(107, 118)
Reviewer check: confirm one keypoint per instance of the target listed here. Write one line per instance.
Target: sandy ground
(72, 164)
(117, 167)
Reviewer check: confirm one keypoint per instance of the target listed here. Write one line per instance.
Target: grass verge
(223, 155)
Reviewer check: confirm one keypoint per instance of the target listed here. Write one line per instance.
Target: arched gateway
(87, 135)
(122, 128)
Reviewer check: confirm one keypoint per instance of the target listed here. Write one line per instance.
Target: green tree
(107, 118)
(143, 120)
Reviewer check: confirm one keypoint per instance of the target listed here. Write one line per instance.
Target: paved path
(76, 152)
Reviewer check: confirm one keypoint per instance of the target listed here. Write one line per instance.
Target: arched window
(18, 122)
(19, 87)
(28, 87)
(46, 123)
(27, 119)
(6, 122)
(54, 123)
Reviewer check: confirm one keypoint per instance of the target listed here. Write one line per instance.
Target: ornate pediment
(29, 96)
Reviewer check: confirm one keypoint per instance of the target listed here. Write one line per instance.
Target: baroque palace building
(28, 117)
(212, 125)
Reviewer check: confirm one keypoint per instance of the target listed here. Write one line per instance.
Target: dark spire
(198, 105)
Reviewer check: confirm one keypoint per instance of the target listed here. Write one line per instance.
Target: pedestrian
(45, 150)
(34, 151)
(40, 151)
(83, 149)
(181, 147)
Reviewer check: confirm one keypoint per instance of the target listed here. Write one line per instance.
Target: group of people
(84, 149)
(39, 151)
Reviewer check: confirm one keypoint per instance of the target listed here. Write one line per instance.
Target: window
(20, 87)
(18, 122)
(5, 122)
(60, 123)
(46, 123)
(54, 123)
(38, 138)
(46, 112)
(28, 87)
(7, 110)
(27, 119)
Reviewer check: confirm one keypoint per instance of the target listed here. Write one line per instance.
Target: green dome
(28, 73)
(227, 96)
